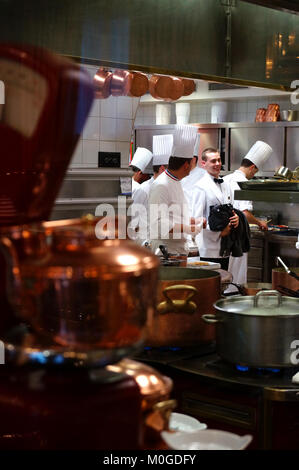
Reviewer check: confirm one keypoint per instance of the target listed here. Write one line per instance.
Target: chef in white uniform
(251, 163)
(140, 160)
(195, 174)
(209, 191)
(169, 216)
(162, 147)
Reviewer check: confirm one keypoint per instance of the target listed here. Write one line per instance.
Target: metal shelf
(268, 196)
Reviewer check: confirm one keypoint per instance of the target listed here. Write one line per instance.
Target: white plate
(196, 259)
(208, 439)
(184, 423)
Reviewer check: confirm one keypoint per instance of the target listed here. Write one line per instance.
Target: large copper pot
(79, 291)
(184, 295)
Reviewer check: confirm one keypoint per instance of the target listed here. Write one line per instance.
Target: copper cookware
(281, 278)
(189, 86)
(176, 89)
(184, 295)
(121, 83)
(102, 83)
(159, 86)
(139, 84)
(79, 291)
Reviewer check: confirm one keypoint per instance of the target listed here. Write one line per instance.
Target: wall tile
(124, 148)
(90, 153)
(106, 146)
(92, 129)
(108, 107)
(124, 129)
(107, 129)
(95, 108)
(124, 107)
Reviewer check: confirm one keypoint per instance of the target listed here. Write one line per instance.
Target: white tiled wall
(238, 110)
(108, 128)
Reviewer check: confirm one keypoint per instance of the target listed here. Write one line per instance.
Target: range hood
(234, 41)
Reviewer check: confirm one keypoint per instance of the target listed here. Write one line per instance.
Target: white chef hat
(183, 141)
(162, 146)
(196, 145)
(259, 153)
(141, 158)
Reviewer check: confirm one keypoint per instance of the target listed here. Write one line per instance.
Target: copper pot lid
(102, 83)
(152, 384)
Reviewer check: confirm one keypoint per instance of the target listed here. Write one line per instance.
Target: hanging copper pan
(159, 86)
(175, 90)
(139, 84)
(102, 82)
(189, 86)
(121, 83)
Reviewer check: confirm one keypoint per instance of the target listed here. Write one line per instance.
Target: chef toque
(162, 146)
(141, 158)
(183, 141)
(196, 145)
(259, 153)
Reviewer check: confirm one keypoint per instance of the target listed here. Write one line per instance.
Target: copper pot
(121, 83)
(176, 89)
(79, 291)
(159, 86)
(184, 295)
(281, 278)
(139, 84)
(102, 83)
(189, 86)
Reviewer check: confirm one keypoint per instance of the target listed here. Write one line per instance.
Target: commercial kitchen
(104, 343)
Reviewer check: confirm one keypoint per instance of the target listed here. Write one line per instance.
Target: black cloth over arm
(237, 241)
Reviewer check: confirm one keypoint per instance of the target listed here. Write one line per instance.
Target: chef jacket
(207, 193)
(189, 181)
(140, 218)
(135, 186)
(238, 266)
(167, 190)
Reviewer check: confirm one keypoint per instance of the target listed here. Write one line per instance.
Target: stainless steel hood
(223, 40)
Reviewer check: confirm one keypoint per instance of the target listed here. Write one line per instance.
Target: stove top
(213, 367)
(203, 361)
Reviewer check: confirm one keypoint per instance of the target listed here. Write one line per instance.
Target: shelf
(268, 196)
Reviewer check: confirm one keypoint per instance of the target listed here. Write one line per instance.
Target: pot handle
(210, 318)
(178, 306)
(267, 292)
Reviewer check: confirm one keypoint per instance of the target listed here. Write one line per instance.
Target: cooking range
(262, 402)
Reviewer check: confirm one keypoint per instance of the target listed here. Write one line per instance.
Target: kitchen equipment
(175, 90)
(155, 390)
(258, 330)
(284, 172)
(291, 273)
(102, 83)
(280, 277)
(82, 292)
(189, 86)
(184, 295)
(121, 83)
(47, 100)
(269, 185)
(289, 115)
(210, 439)
(139, 85)
(272, 113)
(159, 86)
(260, 115)
(183, 423)
(55, 390)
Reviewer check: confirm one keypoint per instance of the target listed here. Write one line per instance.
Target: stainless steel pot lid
(265, 303)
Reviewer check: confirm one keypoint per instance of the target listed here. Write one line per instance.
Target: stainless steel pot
(257, 331)
(184, 295)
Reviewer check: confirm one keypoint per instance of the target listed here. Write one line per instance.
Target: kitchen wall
(108, 128)
(238, 110)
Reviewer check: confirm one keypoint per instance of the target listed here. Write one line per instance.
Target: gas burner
(168, 354)
(257, 370)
